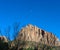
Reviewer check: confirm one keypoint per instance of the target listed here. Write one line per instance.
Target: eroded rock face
(33, 33)
(3, 38)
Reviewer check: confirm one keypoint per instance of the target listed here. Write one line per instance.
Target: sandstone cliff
(33, 33)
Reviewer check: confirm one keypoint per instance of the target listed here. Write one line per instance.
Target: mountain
(31, 38)
(35, 34)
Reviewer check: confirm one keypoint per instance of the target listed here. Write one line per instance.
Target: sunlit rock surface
(33, 33)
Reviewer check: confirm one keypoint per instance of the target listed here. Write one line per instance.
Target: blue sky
(43, 13)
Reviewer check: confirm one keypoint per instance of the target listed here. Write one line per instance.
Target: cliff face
(33, 33)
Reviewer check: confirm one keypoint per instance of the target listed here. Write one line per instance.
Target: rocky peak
(3, 38)
(33, 33)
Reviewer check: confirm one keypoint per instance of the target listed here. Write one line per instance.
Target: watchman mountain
(33, 33)
(33, 37)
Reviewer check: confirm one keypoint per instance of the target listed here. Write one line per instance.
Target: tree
(7, 31)
(16, 29)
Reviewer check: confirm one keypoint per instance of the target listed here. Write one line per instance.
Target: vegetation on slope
(25, 45)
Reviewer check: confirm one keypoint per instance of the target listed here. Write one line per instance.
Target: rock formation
(3, 38)
(33, 33)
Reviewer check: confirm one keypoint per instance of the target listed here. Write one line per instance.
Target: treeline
(31, 46)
